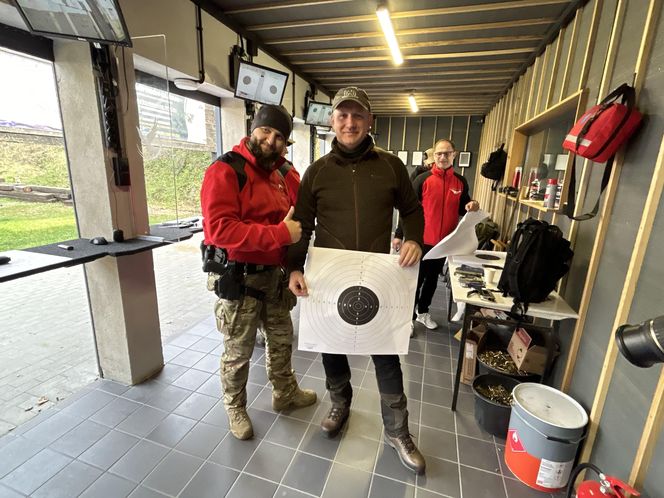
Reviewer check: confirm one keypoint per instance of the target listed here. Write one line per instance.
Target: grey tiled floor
(46, 340)
(169, 437)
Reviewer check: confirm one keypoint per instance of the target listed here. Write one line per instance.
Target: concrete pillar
(123, 299)
(233, 118)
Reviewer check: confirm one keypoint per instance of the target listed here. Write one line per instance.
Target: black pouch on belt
(288, 299)
(229, 286)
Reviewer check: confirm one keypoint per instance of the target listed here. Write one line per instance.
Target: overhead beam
(283, 5)
(419, 81)
(414, 45)
(480, 64)
(407, 14)
(414, 32)
(408, 74)
(413, 57)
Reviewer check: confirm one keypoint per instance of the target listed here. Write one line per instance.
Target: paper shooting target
(358, 303)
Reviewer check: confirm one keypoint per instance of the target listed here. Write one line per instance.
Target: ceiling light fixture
(413, 103)
(188, 83)
(386, 24)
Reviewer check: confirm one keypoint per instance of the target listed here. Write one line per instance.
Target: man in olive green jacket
(349, 194)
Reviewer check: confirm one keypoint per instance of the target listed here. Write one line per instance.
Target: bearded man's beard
(263, 159)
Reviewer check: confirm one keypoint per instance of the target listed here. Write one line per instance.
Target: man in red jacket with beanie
(247, 212)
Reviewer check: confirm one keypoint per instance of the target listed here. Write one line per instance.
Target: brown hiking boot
(301, 398)
(408, 453)
(334, 420)
(239, 423)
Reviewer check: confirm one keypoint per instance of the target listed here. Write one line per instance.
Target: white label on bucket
(554, 475)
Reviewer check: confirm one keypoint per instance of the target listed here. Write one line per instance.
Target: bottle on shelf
(550, 193)
(516, 179)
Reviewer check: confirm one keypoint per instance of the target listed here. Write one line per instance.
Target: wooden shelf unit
(519, 144)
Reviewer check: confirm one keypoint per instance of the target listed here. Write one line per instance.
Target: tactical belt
(249, 268)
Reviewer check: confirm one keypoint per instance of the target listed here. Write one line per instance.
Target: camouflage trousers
(237, 320)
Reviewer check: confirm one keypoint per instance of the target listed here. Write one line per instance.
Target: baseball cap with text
(352, 93)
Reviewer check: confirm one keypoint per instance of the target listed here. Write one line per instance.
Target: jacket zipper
(357, 216)
(442, 214)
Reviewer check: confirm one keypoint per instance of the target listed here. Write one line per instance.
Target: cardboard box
(527, 355)
(474, 340)
(490, 313)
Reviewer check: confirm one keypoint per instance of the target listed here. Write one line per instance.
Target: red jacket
(248, 223)
(444, 195)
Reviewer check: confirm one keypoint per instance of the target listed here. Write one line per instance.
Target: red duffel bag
(598, 134)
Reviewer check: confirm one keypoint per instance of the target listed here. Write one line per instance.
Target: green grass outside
(29, 224)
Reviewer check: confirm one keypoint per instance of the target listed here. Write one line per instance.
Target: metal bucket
(545, 429)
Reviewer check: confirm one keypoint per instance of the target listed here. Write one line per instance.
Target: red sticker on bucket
(515, 442)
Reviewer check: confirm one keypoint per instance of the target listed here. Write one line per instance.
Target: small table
(554, 308)
(49, 257)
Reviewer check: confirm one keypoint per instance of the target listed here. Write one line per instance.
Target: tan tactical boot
(299, 399)
(239, 423)
(334, 420)
(408, 453)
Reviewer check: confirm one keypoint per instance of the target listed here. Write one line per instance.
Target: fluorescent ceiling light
(386, 23)
(413, 103)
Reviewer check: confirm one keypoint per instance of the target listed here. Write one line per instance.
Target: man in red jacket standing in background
(248, 225)
(444, 197)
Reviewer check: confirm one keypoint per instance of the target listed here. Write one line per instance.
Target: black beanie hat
(274, 116)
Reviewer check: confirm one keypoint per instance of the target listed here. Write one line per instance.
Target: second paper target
(358, 303)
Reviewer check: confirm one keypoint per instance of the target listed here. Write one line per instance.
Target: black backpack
(494, 168)
(237, 162)
(537, 257)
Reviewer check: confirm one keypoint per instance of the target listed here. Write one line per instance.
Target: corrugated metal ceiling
(459, 55)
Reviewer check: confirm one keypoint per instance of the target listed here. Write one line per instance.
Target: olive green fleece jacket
(348, 199)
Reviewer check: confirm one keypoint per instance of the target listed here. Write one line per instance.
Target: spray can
(550, 193)
(516, 179)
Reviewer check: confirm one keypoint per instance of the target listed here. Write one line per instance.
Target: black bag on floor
(537, 257)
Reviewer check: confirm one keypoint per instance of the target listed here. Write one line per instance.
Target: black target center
(357, 305)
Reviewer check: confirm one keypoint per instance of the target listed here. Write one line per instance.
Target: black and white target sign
(358, 303)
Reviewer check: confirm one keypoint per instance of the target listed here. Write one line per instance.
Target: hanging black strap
(237, 162)
(571, 194)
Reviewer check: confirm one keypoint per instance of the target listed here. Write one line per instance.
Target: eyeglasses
(448, 153)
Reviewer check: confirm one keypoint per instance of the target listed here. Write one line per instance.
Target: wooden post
(640, 245)
(653, 426)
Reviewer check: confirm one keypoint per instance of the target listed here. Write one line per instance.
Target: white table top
(554, 308)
